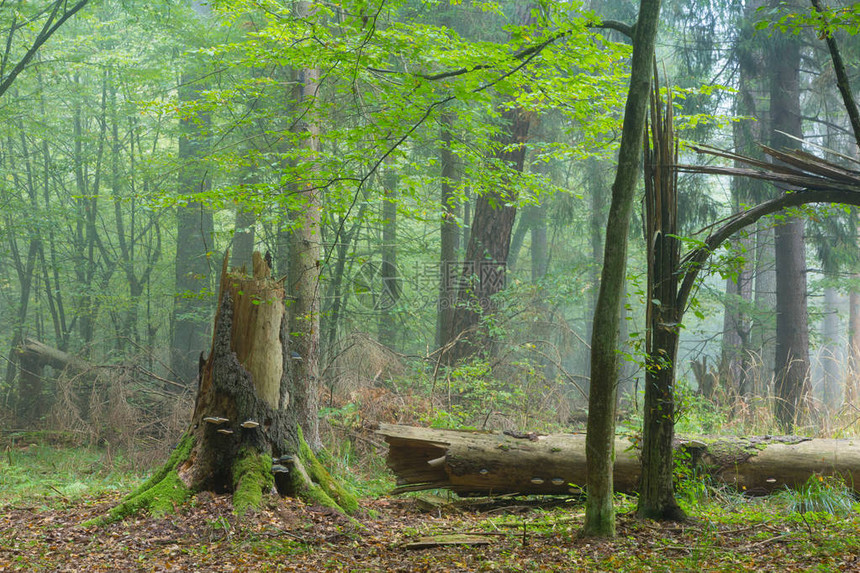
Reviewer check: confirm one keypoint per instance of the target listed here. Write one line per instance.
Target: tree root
(313, 483)
(160, 494)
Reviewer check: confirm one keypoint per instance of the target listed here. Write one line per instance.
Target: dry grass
(111, 407)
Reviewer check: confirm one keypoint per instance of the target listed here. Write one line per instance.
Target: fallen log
(471, 462)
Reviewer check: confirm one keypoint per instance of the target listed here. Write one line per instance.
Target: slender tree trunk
(600, 444)
(540, 249)
(390, 294)
(734, 364)
(735, 370)
(29, 404)
(831, 357)
(305, 262)
(852, 381)
(467, 216)
(336, 294)
(449, 234)
(596, 185)
(86, 231)
(762, 329)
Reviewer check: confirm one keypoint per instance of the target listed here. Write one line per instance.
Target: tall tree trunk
(449, 234)
(762, 328)
(194, 241)
(596, 185)
(484, 266)
(467, 215)
(832, 358)
(390, 294)
(735, 368)
(736, 323)
(540, 250)
(305, 262)
(600, 444)
(336, 294)
(85, 226)
(792, 329)
(244, 237)
(29, 405)
(852, 380)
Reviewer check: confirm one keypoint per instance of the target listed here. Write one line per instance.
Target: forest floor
(48, 492)
(288, 535)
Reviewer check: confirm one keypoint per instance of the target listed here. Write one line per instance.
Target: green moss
(160, 494)
(252, 475)
(330, 488)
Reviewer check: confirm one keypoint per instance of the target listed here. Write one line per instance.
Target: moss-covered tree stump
(244, 435)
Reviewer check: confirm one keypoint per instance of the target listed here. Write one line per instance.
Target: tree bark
(305, 263)
(600, 512)
(471, 462)
(852, 382)
(735, 368)
(390, 295)
(831, 356)
(449, 235)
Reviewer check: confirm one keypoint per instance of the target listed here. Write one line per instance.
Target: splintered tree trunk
(471, 462)
(657, 500)
(244, 436)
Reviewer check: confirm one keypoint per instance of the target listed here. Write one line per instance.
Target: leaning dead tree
(244, 436)
(483, 463)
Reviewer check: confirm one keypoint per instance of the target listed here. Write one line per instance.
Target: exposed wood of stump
(480, 463)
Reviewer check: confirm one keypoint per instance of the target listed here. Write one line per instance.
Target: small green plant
(820, 494)
(696, 414)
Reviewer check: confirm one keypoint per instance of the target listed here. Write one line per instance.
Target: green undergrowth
(366, 475)
(45, 473)
(325, 490)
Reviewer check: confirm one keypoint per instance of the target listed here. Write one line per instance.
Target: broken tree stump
(471, 462)
(245, 435)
